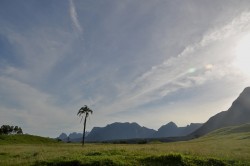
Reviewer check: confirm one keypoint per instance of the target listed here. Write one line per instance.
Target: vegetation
(84, 110)
(25, 139)
(228, 146)
(6, 129)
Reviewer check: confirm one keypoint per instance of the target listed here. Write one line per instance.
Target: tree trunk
(83, 136)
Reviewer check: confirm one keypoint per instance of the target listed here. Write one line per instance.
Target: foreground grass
(230, 146)
(99, 154)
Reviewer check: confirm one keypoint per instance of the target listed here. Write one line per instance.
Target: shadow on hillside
(177, 159)
(58, 163)
(75, 163)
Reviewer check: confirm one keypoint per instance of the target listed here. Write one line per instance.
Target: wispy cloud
(185, 70)
(74, 16)
(28, 86)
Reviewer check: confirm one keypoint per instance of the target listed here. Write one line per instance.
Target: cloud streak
(174, 73)
(74, 17)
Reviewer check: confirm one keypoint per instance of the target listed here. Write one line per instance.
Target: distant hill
(237, 114)
(63, 137)
(25, 139)
(72, 137)
(172, 130)
(118, 130)
(75, 135)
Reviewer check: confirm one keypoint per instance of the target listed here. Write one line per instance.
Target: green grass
(24, 139)
(228, 146)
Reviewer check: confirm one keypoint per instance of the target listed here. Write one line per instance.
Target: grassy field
(228, 146)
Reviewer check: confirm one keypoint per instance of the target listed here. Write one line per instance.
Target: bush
(167, 160)
(142, 142)
(179, 160)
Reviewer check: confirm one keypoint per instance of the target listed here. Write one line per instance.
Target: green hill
(233, 136)
(240, 130)
(25, 139)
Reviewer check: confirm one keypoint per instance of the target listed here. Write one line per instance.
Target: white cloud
(74, 16)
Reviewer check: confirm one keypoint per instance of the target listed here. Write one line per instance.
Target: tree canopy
(7, 129)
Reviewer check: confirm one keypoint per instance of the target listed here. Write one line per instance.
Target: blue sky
(142, 61)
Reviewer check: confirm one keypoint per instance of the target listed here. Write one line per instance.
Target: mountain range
(119, 131)
(237, 114)
(72, 137)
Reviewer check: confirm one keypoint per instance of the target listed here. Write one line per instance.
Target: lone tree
(84, 110)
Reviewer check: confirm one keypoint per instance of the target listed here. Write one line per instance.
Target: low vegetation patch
(180, 160)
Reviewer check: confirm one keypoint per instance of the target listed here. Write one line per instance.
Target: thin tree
(84, 111)
(16, 129)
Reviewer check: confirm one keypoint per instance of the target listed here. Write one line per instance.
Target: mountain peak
(242, 102)
(172, 124)
(63, 136)
(247, 89)
(238, 113)
(169, 125)
(118, 124)
(245, 93)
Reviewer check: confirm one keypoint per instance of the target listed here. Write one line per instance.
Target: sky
(144, 61)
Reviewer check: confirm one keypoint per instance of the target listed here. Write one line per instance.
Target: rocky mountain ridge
(237, 114)
(118, 130)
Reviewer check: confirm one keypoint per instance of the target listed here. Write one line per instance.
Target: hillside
(229, 131)
(237, 114)
(25, 139)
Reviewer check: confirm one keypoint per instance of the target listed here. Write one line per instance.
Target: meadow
(227, 146)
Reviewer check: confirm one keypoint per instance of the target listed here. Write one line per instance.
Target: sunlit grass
(218, 148)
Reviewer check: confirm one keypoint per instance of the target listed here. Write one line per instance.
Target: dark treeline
(6, 129)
